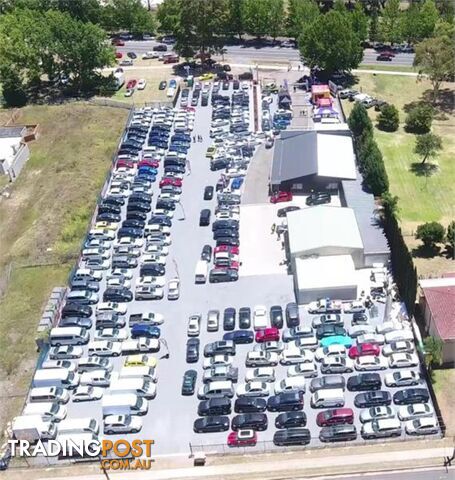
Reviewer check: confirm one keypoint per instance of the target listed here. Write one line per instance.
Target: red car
(118, 55)
(149, 163)
(281, 197)
(242, 438)
(364, 349)
(190, 109)
(125, 163)
(222, 263)
(131, 84)
(176, 182)
(270, 334)
(337, 416)
(226, 248)
(118, 43)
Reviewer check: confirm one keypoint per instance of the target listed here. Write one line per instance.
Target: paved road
(439, 473)
(241, 54)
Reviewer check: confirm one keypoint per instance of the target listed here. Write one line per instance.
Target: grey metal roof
(373, 237)
(295, 155)
(12, 132)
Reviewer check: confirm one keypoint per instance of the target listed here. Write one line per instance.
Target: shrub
(419, 119)
(430, 233)
(359, 121)
(388, 119)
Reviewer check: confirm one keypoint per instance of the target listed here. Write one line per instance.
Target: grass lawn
(423, 198)
(444, 386)
(389, 68)
(44, 220)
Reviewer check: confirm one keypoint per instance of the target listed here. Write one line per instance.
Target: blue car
(236, 183)
(172, 83)
(146, 176)
(147, 170)
(337, 340)
(240, 336)
(178, 148)
(147, 331)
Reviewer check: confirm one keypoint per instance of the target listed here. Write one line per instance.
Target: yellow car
(210, 152)
(106, 225)
(140, 361)
(206, 76)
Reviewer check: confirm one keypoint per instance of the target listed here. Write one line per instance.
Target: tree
(410, 23)
(419, 119)
(168, 16)
(374, 27)
(375, 175)
(330, 43)
(436, 58)
(257, 16)
(451, 235)
(427, 146)
(446, 9)
(428, 16)
(430, 233)
(300, 14)
(390, 25)
(128, 15)
(390, 205)
(236, 22)
(388, 119)
(359, 22)
(433, 349)
(359, 121)
(276, 18)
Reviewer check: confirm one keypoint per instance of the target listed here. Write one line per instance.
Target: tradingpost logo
(114, 455)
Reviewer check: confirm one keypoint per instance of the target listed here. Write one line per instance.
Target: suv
(250, 405)
(292, 436)
(292, 315)
(221, 347)
(285, 402)
(381, 428)
(364, 381)
(338, 433)
(336, 416)
(276, 316)
(327, 382)
(215, 406)
(245, 317)
(290, 419)
(255, 421)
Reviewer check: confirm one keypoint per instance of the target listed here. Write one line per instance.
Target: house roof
(13, 131)
(311, 230)
(440, 297)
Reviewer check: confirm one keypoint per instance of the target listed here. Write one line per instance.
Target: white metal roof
(335, 156)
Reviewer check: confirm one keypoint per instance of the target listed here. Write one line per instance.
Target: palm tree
(390, 205)
(433, 351)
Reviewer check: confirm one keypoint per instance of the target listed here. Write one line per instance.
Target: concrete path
(387, 72)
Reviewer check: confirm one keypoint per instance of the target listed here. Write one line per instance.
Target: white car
(141, 84)
(330, 351)
(96, 264)
(153, 229)
(359, 330)
(375, 413)
(227, 216)
(334, 364)
(217, 360)
(213, 320)
(397, 335)
(422, 426)
(156, 249)
(115, 424)
(387, 327)
(373, 338)
(253, 389)
(111, 334)
(194, 325)
(118, 192)
(261, 359)
(402, 378)
(261, 374)
(66, 364)
(140, 345)
(119, 308)
(161, 211)
(86, 393)
(151, 281)
(370, 363)
(175, 197)
(354, 307)
(294, 383)
(151, 318)
(398, 347)
(307, 370)
(96, 378)
(154, 258)
(399, 360)
(309, 343)
(173, 289)
(417, 410)
(296, 355)
(269, 347)
(128, 92)
(65, 352)
(118, 282)
(259, 317)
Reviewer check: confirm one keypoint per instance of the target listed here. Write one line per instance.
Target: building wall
(370, 259)
(19, 161)
(340, 293)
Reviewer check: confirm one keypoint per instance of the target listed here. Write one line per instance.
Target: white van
(49, 394)
(202, 270)
(139, 386)
(55, 377)
(147, 373)
(124, 403)
(79, 425)
(68, 336)
(87, 274)
(48, 411)
(103, 348)
(216, 389)
(328, 398)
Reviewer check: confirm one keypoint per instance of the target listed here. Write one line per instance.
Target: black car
(204, 218)
(211, 424)
(318, 198)
(292, 436)
(276, 316)
(250, 405)
(285, 402)
(108, 217)
(160, 220)
(363, 382)
(410, 396)
(133, 223)
(329, 330)
(372, 399)
(117, 294)
(140, 198)
(225, 224)
(76, 310)
(254, 421)
(225, 233)
(192, 350)
(138, 206)
(240, 337)
(292, 315)
(229, 319)
(290, 419)
(135, 215)
(162, 85)
(189, 382)
(338, 433)
(359, 319)
(215, 406)
(131, 55)
(206, 253)
(130, 232)
(221, 347)
(165, 205)
(109, 208)
(113, 201)
(75, 322)
(231, 241)
(152, 269)
(245, 317)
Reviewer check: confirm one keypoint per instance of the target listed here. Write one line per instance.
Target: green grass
(444, 386)
(388, 68)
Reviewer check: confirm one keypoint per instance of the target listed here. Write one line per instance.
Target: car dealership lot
(170, 416)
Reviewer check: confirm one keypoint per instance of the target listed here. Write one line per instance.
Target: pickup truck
(146, 318)
(325, 306)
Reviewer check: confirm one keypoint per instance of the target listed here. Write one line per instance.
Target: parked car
(372, 399)
(410, 396)
(189, 382)
(211, 424)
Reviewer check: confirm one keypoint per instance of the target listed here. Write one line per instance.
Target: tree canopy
(300, 14)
